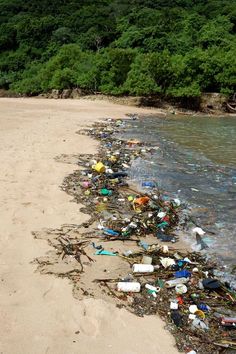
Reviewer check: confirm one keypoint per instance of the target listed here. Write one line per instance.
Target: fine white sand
(39, 314)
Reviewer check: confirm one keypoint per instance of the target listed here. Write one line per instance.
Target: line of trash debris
(179, 285)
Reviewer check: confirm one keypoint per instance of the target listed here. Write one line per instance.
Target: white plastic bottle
(172, 283)
(143, 268)
(126, 287)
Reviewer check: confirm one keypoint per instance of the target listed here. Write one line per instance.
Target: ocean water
(195, 160)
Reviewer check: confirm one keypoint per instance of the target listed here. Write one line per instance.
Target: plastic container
(172, 283)
(127, 253)
(99, 167)
(181, 289)
(165, 249)
(193, 308)
(92, 163)
(130, 198)
(198, 230)
(228, 322)
(203, 307)
(198, 324)
(147, 260)
(106, 192)
(86, 184)
(149, 184)
(144, 245)
(152, 288)
(167, 262)
(143, 268)
(200, 314)
(113, 158)
(183, 274)
(142, 200)
(177, 202)
(110, 232)
(174, 305)
(161, 214)
(127, 287)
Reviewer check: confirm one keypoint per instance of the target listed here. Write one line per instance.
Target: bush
(177, 48)
(140, 80)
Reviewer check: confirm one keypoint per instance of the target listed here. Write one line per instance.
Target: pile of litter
(178, 285)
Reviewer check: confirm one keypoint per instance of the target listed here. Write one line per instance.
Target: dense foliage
(176, 48)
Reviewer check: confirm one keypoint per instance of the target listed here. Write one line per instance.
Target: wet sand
(39, 313)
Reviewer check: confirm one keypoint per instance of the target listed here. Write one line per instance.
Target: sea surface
(194, 159)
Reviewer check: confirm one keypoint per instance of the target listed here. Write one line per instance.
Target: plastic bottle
(152, 288)
(143, 268)
(172, 283)
(129, 287)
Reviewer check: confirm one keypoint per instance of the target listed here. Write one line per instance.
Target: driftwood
(231, 108)
(231, 105)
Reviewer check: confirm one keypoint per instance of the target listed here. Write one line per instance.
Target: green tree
(114, 65)
(63, 35)
(140, 80)
(216, 32)
(177, 48)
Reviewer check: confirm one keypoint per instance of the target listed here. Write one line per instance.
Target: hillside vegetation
(175, 48)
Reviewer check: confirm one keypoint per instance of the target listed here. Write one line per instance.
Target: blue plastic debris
(183, 274)
(110, 232)
(203, 307)
(149, 184)
(144, 245)
(105, 253)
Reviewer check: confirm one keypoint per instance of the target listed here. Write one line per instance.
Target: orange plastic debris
(142, 200)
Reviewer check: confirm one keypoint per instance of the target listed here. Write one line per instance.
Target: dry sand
(38, 313)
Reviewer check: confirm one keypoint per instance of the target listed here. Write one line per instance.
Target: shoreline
(72, 186)
(211, 102)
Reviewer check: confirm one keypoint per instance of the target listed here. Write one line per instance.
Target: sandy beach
(38, 312)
